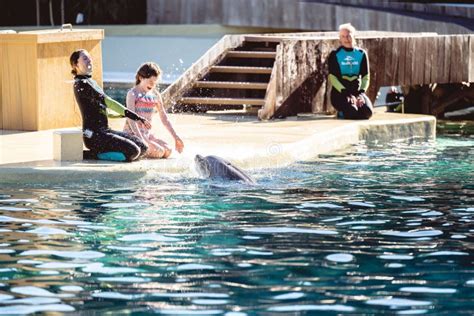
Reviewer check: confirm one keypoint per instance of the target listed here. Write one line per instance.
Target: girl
(103, 142)
(144, 98)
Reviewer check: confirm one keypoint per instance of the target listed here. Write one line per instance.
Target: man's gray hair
(347, 26)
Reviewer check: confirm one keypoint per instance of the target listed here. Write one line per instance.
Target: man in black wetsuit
(350, 78)
(103, 142)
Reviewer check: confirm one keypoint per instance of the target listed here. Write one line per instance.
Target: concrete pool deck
(27, 157)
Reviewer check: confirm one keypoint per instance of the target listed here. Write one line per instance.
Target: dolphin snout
(198, 159)
(201, 165)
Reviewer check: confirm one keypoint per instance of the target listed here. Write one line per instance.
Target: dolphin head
(202, 166)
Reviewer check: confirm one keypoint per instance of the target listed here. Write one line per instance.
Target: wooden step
(231, 85)
(226, 101)
(264, 39)
(241, 69)
(250, 54)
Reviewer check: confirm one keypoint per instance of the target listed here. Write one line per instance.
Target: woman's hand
(179, 145)
(145, 122)
(360, 101)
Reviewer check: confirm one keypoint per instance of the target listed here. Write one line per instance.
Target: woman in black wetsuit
(103, 142)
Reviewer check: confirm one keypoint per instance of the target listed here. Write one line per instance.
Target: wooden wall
(184, 12)
(271, 13)
(57, 105)
(409, 60)
(1, 64)
(36, 80)
(296, 14)
(444, 9)
(19, 89)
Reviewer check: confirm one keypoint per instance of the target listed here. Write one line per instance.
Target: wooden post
(268, 109)
(471, 59)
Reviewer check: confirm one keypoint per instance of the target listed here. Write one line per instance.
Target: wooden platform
(413, 59)
(288, 72)
(28, 157)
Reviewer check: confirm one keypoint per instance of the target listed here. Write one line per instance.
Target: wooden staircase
(238, 80)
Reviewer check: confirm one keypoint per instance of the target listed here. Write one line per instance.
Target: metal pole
(37, 13)
(62, 12)
(89, 12)
(51, 18)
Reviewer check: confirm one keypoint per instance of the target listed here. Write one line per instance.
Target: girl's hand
(179, 145)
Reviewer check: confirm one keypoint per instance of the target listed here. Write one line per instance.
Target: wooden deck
(408, 60)
(287, 73)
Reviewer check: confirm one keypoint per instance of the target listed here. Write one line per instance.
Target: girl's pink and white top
(145, 105)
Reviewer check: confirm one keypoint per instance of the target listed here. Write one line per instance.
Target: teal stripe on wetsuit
(349, 62)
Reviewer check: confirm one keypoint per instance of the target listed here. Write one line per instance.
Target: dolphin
(214, 167)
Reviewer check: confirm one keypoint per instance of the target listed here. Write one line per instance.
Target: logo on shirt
(349, 61)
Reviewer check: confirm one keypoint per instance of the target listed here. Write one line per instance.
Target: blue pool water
(375, 229)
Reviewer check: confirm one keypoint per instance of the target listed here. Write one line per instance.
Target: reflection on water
(379, 228)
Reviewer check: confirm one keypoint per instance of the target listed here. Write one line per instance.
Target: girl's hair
(147, 70)
(74, 58)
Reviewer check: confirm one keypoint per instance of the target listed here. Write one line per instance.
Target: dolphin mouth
(201, 166)
(199, 159)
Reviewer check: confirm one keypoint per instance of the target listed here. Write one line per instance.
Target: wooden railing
(298, 81)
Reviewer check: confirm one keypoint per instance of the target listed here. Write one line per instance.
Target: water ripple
(299, 308)
(398, 302)
(286, 230)
(413, 234)
(26, 309)
(87, 254)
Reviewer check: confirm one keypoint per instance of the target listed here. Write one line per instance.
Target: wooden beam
(263, 39)
(268, 109)
(241, 69)
(223, 101)
(471, 59)
(250, 54)
(231, 85)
